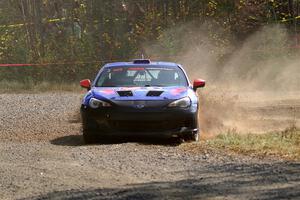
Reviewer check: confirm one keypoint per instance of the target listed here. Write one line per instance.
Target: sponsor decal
(117, 69)
(177, 91)
(108, 91)
(129, 88)
(136, 68)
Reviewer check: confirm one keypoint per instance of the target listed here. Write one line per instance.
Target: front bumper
(129, 121)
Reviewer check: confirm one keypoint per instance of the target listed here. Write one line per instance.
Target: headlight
(181, 103)
(96, 103)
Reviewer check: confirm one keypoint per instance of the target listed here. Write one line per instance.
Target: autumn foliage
(71, 39)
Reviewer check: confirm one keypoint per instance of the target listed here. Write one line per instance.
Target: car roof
(152, 64)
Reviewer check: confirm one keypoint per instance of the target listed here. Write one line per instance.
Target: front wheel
(191, 137)
(89, 127)
(89, 137)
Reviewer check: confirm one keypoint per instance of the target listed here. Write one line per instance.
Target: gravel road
(42, 156)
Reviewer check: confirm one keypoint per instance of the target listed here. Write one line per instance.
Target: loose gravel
(42, 156)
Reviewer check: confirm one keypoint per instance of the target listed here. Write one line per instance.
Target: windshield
(141, 77)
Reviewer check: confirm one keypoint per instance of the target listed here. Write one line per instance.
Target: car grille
(146, 104)
(147, 126)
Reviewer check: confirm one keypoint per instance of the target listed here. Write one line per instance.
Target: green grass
(19, 87)
(285, 144)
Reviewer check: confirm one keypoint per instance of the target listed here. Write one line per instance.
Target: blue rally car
(141, 98)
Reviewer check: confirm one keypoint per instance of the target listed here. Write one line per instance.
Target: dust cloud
(252, 86)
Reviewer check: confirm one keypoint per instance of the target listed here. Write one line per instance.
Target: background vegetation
(67, 40)
(284, 144)
(278, 144)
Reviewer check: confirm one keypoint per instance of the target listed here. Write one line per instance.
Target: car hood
(140, 93)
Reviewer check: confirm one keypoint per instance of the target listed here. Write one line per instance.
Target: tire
(89, 137)
(89, 132)
(192, 137)
(89, 128)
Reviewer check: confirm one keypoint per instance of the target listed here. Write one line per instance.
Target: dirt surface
(248, 112)
(42, 156)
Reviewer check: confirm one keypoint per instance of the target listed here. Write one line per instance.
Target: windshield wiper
(106, 86)
(154, 86)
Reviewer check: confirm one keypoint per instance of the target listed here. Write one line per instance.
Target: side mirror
(198, 83)
(86, 83)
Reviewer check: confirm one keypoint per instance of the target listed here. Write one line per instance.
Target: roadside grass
(19, 87)
(285, 144)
